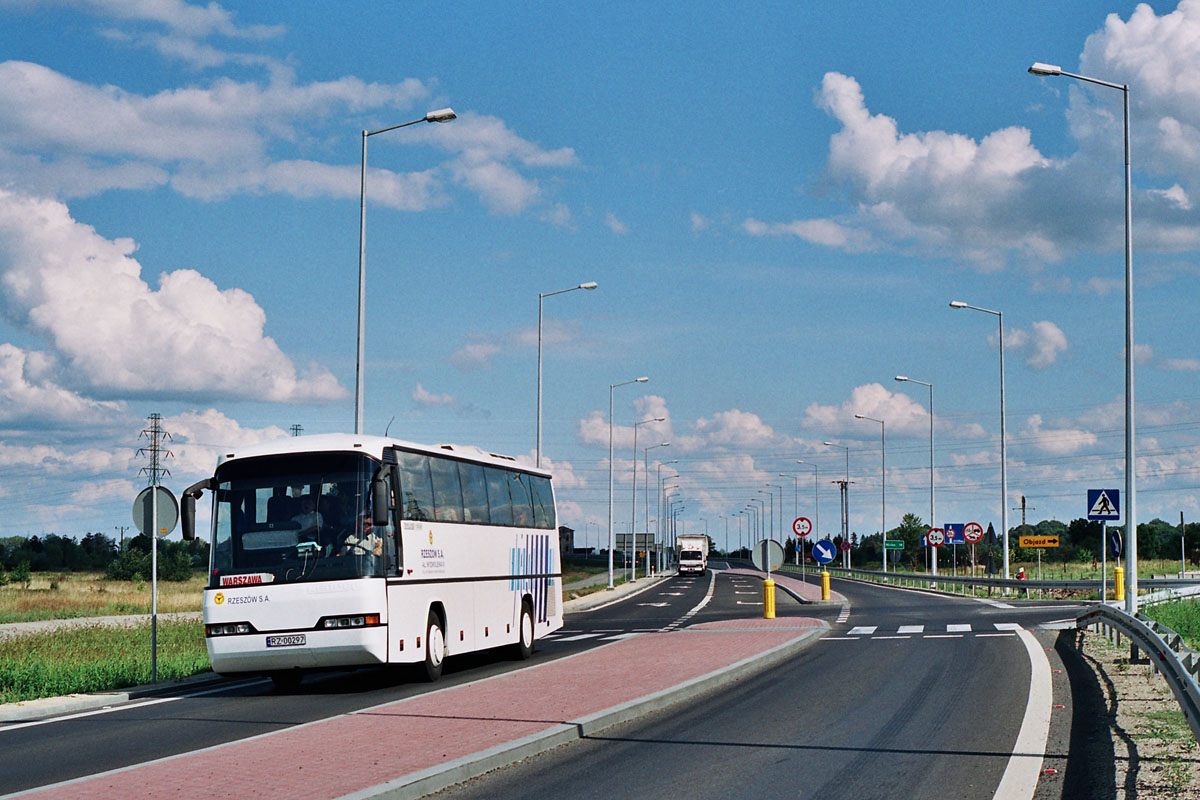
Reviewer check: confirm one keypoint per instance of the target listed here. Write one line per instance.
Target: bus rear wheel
(524, 647)
(435, 647)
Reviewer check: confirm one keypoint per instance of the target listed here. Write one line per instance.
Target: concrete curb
(46, 707)
(451, 773)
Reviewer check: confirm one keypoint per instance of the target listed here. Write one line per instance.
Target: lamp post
(611, 536)
(662, 533)
(646, 495)
(816, 531)
(633, 505)
(1131, 580)
(882, 482)
(541, 296)
(441, 115)
(845, 496)
(932, 508)
(1003, 437)
(777, 528)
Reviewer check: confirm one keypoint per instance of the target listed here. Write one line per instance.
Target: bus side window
(474, 493)
(543, 501)
(447, 493)
(522, 502)
(416, 497)
(499, 504)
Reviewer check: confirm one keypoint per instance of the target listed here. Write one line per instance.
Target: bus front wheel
(525, 633)
(435, 647)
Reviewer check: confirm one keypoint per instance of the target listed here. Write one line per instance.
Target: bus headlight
(228, 628)
(350, 621)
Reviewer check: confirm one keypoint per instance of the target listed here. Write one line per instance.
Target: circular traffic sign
(936, 537)
(802, 526)
(845, 546)
(823, 551)
(767, 550)
(973, 532)
(143, 511)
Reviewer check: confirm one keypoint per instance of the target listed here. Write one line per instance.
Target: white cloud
(479, 352)
(1059, 441)
(198, 438)
(183, 18)
(475, 355)
(615, 225)
(1182, 364)
(901, 413)
(32, 398)
(1046, 342)
(827, 232)
(700, 222)
(116, 334)
(426, 399)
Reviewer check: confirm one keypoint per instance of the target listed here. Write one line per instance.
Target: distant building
(566, 540)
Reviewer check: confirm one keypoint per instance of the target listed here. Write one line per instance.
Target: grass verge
(97, 658)
(1181, 616)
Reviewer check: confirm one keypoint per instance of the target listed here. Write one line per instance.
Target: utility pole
(1023, 506)
(121, 529)
(156, 470)
(297, 430)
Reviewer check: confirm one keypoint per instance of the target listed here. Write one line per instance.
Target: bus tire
(435, 647)
(524, 646)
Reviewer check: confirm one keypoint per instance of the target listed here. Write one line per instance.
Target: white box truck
(691, 553)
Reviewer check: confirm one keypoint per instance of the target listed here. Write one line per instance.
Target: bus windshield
(296, 517)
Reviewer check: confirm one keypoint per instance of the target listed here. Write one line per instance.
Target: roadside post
(767, 555)
(801, 526)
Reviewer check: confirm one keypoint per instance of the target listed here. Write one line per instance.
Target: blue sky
(778, 201)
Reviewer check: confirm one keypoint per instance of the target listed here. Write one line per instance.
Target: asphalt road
(858, 714)
(76, 745)
(900, 700)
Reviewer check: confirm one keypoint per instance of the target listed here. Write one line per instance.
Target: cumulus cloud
(615, 225)
(1182, 364)
(198, 438)
(1056, 441)
(32, 398)
(902, 414)
(118, 335)
(426, 399)
(479, 351)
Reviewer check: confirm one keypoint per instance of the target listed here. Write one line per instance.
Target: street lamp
(611, 536)
(633, 505)
(1003, 437)
(932, 508)
(662, 565)
(646, 495)
(778, 529)
(1131, 578)
(441, 115)
(541, 296)
(882, 481)
(816, 529)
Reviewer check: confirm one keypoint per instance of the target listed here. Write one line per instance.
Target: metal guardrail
(965, 584)
(1174, 660)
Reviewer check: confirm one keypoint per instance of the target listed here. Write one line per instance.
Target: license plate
(291, 640)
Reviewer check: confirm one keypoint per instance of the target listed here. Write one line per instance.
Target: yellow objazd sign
(1038, 541)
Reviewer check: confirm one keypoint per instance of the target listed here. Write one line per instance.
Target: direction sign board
(893, 544)
(1037, 541)
(802, 526)
(1103, 504)
(143, 512)
(823, 551)
(936, 537)
(954, 533)
(973, 532)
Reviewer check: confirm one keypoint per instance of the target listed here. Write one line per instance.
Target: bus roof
(372, 446)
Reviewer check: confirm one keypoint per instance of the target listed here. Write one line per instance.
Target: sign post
(155, 513)
(973, 533)
(1103, 505)
(801, 526)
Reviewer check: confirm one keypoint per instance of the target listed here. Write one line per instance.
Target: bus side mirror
(187, 507)
(380, 500)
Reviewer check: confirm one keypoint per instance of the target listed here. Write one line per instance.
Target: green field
(97, 658)
(1181, 616)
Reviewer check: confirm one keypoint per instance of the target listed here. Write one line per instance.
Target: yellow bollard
(824, 585)
(768, 599)
(1119, 584)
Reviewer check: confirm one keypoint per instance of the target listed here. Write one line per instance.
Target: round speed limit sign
(936, 537)
(802, 526)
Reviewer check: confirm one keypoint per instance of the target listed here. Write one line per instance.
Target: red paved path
(348, 753)
(806, 590)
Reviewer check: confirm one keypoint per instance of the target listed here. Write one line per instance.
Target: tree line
(96, 552)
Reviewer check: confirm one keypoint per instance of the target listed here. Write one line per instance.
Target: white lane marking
(958, 629)
(862, 630)
(943, 636)
(745, 603)
(1021, 775)
(1006, 633)
(844, 615)
(1008, 626)
(619, 637)
(891, 637)
(911, 629)
(579, 637)
(838, 639)
(130, 705)
(655, 605)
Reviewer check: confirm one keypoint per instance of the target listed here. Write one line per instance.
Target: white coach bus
(337, 550)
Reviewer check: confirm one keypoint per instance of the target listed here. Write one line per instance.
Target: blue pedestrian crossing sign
(1103, 504)
(823, 551)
